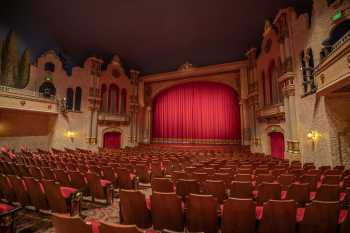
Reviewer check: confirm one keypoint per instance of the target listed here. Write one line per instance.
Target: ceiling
(153, 36)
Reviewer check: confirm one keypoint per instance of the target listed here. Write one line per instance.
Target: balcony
(271, 113)
(27, 100)
(107, 118)
(333, 72)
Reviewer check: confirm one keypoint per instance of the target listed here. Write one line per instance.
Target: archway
(112, 140)
(196, 112)
(47, 89)
(277, 145)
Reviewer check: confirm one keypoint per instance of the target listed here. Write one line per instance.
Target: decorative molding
(186, 66)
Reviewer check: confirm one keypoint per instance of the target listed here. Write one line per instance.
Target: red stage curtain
(197, 112)
(111, 140)
(277, 145)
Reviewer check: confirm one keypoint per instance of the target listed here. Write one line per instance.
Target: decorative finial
(186, 66)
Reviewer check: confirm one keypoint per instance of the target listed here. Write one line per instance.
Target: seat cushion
(67, 191)
(5, 208)
(259, 211)
(342, 216)
(105, 183)
(300, 214)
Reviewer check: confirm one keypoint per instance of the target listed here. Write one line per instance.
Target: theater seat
(238, 216)
(279, 217)
(100, 188)
(7, 218)
(162, 185)
(6, 188)
(64, 223)
(320, 217)
(105, 227)
(186, 186)
(202, 215)
(37, 193)
(62, 199)
(21, 190)
(167, 211)
(240, 189)
(133, 209)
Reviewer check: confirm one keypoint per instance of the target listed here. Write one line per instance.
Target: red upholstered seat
(342, 216)
(283, 195)
(5, 207)
(132, 176)
(104, 183)
(312, 196)
(148, 203)
(94, 224)
(259, 210)
(67, 191)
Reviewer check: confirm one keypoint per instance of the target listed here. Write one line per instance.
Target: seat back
(63, 224)
(20, 188)
(185, 187)
(345, 226)
(36, 193)
(332, 179)
(241, 189)
(264, 178)
(95, 187)
(268, 191)
(23, 170)
(320, 217)
(143, 172)
(164, 185)
(202, 214)
(328, 192)
(105, 227)
(77, 180)
(48, 173)
(53, 193)
(285, 180)
(157, 170)
(217, 188)
(284, 211)
(243, 177)
(6, 188)
(311, 179)
(62, 177)
(299, 193)
(167, 212)
(109, 174)
(124, 179)
(35, 172)
(238, 216)
(133, 208)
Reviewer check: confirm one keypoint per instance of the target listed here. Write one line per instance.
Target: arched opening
(123, 101)
(274, 89)
(47, 89)
(113, 99)
(112, 140)
(69, 99)
(338, 32)
(277, 145)
(49, 66)
(78, 94)
(104, 98)
(263, 80)
(196, 112)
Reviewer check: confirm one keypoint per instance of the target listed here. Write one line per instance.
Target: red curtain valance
(197, 112)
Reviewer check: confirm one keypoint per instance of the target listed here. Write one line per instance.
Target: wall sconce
(314, 136)
(70, 134)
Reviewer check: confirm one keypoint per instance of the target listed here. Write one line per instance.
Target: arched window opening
(78, 94)
(273, 84)
(113, 99)
(69, 99)
(104, 98)
(49, 66)
(263, 80)
(47, 89)
(123, 101)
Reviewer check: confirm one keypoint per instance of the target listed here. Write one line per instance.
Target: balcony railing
(27, 100)
(333, 72)
(113, 117)
(271, 112)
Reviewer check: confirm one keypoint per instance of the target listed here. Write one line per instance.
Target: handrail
(24, 92)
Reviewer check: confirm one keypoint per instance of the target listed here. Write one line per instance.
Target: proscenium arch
(167, 86)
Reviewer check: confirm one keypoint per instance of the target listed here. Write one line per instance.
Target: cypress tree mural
(23, 72)
(9, 60)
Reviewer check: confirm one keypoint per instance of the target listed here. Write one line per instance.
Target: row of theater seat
(202, 213)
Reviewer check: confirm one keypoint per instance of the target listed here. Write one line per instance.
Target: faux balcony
(27, 100)
(333, 72)
(113, 118)
(271, 113)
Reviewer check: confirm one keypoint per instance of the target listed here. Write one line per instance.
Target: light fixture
(314, 136)
(70, 134)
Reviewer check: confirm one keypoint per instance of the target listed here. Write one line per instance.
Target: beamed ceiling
(153, 36)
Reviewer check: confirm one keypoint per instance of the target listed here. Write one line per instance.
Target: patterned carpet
(29, 221)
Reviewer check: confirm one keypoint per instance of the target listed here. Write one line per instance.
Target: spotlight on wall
(70, 134)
